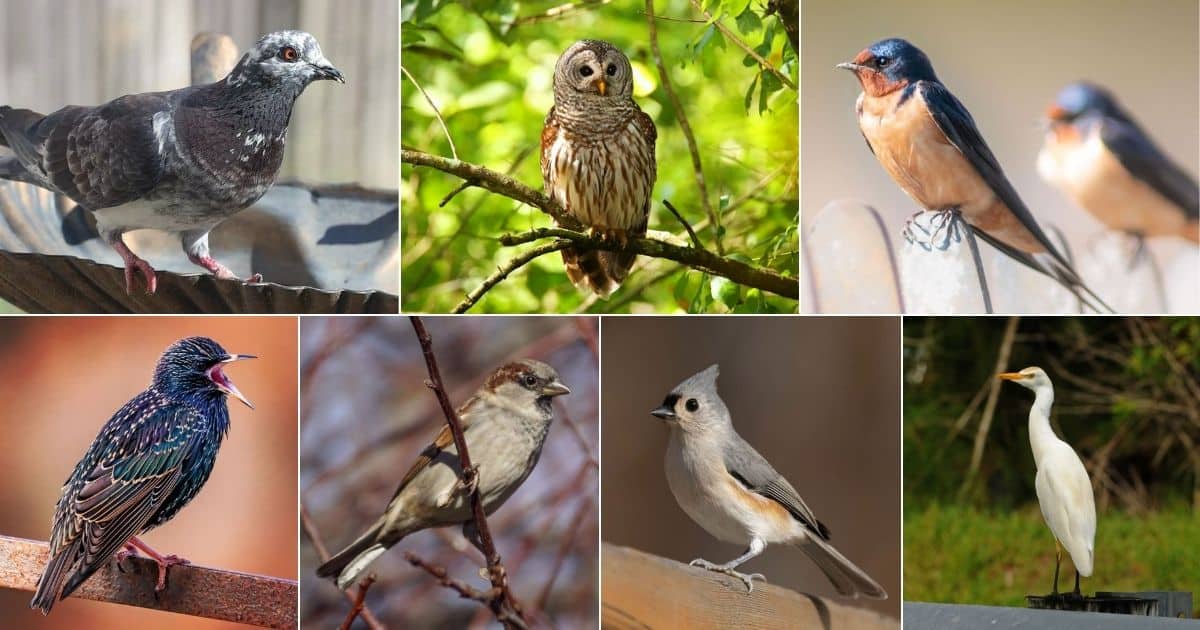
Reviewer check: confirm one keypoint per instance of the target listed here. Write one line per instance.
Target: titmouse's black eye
(691, 404)
(529, 380)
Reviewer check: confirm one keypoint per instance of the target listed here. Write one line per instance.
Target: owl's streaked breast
(603, 181)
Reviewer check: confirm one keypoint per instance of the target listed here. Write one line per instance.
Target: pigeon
(181, 161)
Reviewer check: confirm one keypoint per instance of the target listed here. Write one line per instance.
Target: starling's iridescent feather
(149, 460)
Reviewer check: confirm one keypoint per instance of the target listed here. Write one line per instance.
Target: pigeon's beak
(663, 413)
(325, 70)
(217, 376)
(555, 388)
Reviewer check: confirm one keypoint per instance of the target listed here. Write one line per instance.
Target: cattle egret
(1064, 490)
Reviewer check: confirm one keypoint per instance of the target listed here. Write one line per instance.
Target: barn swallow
(929, 144)
(1099, 156)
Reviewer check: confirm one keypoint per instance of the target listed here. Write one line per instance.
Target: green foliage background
(488, 67)
(1126, 399)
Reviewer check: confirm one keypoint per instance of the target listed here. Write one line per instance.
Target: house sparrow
(504, 424)
(734, 493)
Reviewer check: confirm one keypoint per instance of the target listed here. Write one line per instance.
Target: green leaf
(748, 21)
(750, 92)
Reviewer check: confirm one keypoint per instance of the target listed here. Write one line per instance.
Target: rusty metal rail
(191, 589)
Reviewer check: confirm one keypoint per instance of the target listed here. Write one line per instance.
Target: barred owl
(598, 158)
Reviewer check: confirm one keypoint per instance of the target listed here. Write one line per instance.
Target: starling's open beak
(664, 413)
(602, 86)
(327, 71)
(1010, 376)
(555, 388)
(217, 376)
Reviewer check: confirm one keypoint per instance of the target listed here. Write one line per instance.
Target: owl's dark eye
(611, 69)
(529, 380)
(692, 404)
(883, 62)
(585, 71)
(287, 53)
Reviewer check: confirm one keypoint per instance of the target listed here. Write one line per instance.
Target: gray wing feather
(757, 475)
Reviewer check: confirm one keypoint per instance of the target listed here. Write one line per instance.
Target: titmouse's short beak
(664, 413)
(555, 388)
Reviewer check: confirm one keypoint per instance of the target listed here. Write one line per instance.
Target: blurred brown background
(818, 397)
(86, 52)
(62, 378)
(1005, 61)
(367, 415)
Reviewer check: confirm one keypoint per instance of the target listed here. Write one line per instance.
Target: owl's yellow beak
(600, 85)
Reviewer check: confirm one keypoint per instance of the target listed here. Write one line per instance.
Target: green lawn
(964, 555)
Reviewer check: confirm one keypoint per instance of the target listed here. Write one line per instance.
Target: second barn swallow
(1099, 156)
(929, 144)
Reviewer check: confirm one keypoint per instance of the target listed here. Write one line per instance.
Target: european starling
(150, 459)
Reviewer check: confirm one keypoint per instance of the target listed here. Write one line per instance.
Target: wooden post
(644, 591)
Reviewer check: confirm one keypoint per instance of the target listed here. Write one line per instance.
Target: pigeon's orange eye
(287, 53)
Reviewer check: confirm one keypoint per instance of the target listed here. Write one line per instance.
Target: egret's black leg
(1057, 561)
(1077, 593)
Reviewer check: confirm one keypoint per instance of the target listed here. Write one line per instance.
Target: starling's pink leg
(133, 262)
(125, 552)
(164, 562)
(219, 270)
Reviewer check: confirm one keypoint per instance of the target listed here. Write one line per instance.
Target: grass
(964, 555)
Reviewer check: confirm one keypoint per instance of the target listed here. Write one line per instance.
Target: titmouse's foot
(747, 578)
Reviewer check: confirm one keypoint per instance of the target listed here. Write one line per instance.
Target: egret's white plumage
(1064, 490)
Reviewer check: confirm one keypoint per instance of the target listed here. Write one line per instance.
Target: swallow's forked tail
(1052, 264)
(847, 578)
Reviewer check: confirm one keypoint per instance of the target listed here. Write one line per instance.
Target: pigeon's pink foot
(132, 262)
(164, 562)
(219, 270)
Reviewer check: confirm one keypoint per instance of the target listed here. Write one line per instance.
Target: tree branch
(502, 603)
(359, 602)
(696, 257)
(737, 41)
(683, 126)
(191, 589)
(702, 259)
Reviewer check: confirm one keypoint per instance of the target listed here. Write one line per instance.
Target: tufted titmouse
(735, 495)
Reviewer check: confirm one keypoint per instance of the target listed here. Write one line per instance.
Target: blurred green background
(1126, 399)
(488, 67)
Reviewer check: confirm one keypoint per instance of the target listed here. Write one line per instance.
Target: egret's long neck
(1041, 436)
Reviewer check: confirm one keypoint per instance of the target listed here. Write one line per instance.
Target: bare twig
(702, 188)
(989, 408)
(192, 589)
(359, 600)
(436, 111)
(585, 507)
(443, 578)
(587, 332)
(687, 226)
(310, 530)
(554, 13)
(737, 41)
(504, 270)
(502, 602)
